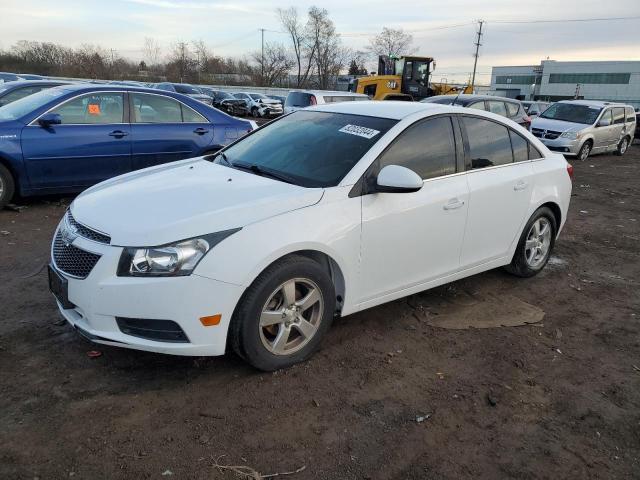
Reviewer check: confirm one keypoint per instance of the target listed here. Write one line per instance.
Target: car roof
(593, 103)
(27, 83)
(465, 98)
(396, 110)
(333, 93)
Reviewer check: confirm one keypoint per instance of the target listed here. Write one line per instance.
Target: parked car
(533, 109)
(229, 103)
(506, 107)
(185, 89)
(12, 91)
(260, 105)
(8, 77)
(326, 211)
(279, 98)
(306, 98)
(67, 138)
(582, 127)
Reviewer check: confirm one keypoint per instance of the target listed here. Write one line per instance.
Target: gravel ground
(389, 395)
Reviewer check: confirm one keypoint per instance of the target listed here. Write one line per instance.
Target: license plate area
(59, 287)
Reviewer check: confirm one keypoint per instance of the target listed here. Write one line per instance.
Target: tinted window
(497, 107)
(155, 109)
(427, 148)
(618, 115)
(534, 153)
(186, 89)
(512, 109)
(189, 115)
(312, 149)
(478, 106)
(298, 99)
(100, 108)
(19, 93)
(28, 104)
(370, 90)
(520, 147)
(489, 143)
(572, 113)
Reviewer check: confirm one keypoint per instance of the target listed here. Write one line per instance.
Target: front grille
(87, 232)
(158, 330)
(549, 134)
(72, 260)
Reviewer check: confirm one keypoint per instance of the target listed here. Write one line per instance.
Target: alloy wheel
(538, 242)
(291, 316)
(585, 151)
(623, 146)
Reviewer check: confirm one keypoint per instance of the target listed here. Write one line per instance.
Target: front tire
(585, 150)
(535, 245)
(623, 146)
(7, 186)
(255, 113)
(282, 317)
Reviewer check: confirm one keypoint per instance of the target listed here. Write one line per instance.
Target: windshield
(312, 149)
(21, 107)
(572, 113)
(256, 96)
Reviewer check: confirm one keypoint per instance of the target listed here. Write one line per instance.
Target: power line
(568, 20)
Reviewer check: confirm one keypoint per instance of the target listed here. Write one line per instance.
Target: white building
(616, 81)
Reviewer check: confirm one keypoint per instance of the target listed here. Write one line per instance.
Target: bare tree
(392, 42)
(303, 41)
(151, 51)
(203, 55)
(182, 66)
(330, 56)
(277, 63)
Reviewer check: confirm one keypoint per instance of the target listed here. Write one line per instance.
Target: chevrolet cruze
(325, 212)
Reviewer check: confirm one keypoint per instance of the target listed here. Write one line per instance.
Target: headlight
(175, 259)
(570, 135)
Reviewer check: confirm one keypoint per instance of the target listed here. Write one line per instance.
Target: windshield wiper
(264, 172)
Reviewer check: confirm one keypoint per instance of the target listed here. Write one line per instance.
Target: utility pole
(475, 61)
(262, 58)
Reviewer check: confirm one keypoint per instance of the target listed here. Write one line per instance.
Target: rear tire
(623, 146)
(535, 244)
(7, 186)
(255, 113)
(281, 318)
(585, 150)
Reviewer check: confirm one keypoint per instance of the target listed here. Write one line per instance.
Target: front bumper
(102, 297)
(562, 145)
(270, 110)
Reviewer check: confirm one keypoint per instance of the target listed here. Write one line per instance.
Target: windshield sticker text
(359, 131)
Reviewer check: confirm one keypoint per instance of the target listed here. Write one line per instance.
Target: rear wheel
(254, 112)
(7, 186)
(623, 146)
(585, 150)
(535, 245)
(284, 314)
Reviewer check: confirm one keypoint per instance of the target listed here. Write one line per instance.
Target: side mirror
(49, 119)
(604, 122)
(397, 179)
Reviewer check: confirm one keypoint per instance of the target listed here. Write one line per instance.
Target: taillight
(312, 100)
(570, 170)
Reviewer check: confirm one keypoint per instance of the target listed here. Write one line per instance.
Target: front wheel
(255, 113)
(283, 315)
(585, 150)
(7, 186)
(535, 245)
(622, 146)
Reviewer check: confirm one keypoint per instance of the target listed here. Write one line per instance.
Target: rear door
(499, 191)
(603, 133)
(93, 143)
(619, 127)
(165, 130)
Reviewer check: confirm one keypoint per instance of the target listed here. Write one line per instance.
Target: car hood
(183, 200)
(556, 125)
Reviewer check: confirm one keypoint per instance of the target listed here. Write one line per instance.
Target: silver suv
(581, 127)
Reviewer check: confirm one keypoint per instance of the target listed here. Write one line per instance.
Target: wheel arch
(555, 209)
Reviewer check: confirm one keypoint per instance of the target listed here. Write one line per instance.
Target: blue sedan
(65, 139)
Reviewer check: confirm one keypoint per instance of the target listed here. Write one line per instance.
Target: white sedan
(324, 212)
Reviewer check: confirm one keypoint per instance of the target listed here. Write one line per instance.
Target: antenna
(458, 95)
(475, 61)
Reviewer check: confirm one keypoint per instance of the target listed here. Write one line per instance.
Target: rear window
(298, 99)
(512, 109)
(21, 107)
(312, 149)
(618, 115)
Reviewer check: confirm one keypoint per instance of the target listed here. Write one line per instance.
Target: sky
(443, 30)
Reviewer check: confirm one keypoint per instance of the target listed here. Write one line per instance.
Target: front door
(92, 143)
(164, 130)
(411, 238)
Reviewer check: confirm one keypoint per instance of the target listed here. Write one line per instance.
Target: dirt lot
(388, 396)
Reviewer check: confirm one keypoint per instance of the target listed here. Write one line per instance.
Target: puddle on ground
(463, 310)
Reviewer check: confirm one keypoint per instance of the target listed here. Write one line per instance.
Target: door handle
(118, 134)
(521, 185)
(200, 131)
(453, 204)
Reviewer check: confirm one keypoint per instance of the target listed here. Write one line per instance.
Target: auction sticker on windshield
(359, 131)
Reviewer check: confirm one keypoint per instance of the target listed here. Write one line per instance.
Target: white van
(302, 99)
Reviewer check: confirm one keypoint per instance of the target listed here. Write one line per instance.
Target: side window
(606, 117)
(520, 147)
(155, 109)
(95, 108)
(370, 90)
(631, 115)
(478, 106)
(497, 107)
(512, 109)
(427, 148)
(489, 143)
(618, 115)
(534, 153)
(189, 115)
